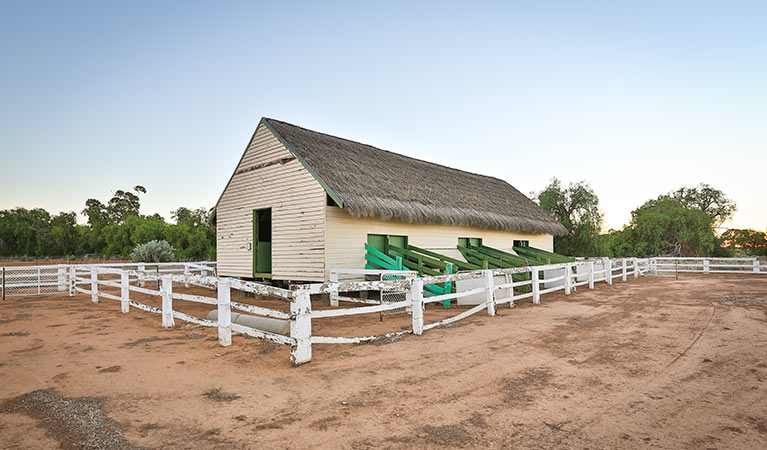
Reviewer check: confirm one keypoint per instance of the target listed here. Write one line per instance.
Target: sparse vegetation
(219, 395)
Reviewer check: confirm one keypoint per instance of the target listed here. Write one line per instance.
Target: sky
(636, 98)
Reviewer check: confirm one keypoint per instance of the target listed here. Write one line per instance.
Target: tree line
(679, 223)
(113, 229)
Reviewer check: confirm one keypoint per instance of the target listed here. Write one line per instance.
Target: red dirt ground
(652, 363)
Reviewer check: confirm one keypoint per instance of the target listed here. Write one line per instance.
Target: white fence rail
(122, 279)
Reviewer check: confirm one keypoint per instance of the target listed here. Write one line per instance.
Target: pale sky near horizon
(637, 98)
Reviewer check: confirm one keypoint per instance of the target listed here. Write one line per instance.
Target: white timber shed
(301, 203)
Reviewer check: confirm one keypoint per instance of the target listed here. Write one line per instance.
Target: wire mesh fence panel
(389, 296)
(38, 280)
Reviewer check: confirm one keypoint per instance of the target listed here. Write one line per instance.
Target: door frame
(255, 244)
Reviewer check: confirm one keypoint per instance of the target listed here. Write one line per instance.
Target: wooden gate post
(224, 313)
(124, 289)
(333, 294)
(591, 274)
(167, 301)
(489, 291)
(636, 268)
(72, 280)
(94, 284)
(186, 275)
(141, 275)
(416, 296)
(536, 286)
(568, 278)
(623, 270)
(61, 273)
(609, 271)
(301, 327)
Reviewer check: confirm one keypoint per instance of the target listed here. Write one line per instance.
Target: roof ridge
(389, 151)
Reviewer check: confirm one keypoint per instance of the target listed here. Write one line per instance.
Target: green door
(262, 238)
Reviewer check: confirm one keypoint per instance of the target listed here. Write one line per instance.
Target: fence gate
(34, 280)
(393, 296)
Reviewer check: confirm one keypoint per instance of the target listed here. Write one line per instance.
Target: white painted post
(94, 284)
(186, 276)
(489, 292)
(333, 294)
(416, 295)
(705, 266)
(608, 271)
(141, 276)
(61, 272)
(568, 279)
(167, 301)
(72, 281)
(536, 286)
(756, 266)
(508, 278)
(224, 313)
(591, 274)
(301, 327)
(623, 270)
(124, 300)
(636, 267)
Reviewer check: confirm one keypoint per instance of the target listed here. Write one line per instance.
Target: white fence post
(489, 292)
(62, 278)
(609, 271)
(509, 278)
(756, 266)
(705, 266)
(636, 267)
(167, 301)
(224, 312)
(301, 327)
(94, 284)
(72, 281)
(333, 294)
(186, 276)
(141, 276)
(623, 270)
(568, 278)
(591, 274)
(536, 286)
(416, 296)
(124, 289)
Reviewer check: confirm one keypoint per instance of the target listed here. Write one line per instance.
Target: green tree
(665, 227)
(713, 202)
(750, 242)
(577, 208)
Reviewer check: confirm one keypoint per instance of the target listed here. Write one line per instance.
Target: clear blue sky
(637, 98)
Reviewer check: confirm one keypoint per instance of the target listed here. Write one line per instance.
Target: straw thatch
(370, 182)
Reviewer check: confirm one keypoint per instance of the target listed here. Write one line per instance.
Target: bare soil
(652, 363)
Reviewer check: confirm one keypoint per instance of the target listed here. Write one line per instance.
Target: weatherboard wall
(298, 214)
(345, 238)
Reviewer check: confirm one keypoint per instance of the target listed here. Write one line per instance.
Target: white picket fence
(88, 279)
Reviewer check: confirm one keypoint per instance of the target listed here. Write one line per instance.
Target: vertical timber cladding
(269, 177)
(346, 237)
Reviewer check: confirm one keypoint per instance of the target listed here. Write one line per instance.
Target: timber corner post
(416, 296)
(167, 301)
(124, 289)
(72, 275)
(224, 312)
(536, 286)
(489, 292)
(333, 294)
(301, 327)
(94, 284)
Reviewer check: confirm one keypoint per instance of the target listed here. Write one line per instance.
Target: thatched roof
(370, 182)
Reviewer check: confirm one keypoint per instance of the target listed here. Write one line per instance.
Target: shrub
(153, 251)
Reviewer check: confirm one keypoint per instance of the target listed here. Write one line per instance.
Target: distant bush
(153, 251)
